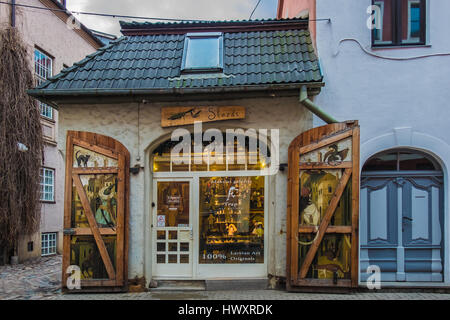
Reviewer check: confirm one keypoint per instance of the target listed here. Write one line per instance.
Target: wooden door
(323, 204)
(96, 212)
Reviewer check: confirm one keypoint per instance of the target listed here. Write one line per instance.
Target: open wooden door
(323, 206)
(96, 212)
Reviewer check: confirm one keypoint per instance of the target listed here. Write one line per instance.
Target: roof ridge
(80, 63)
(200, 21)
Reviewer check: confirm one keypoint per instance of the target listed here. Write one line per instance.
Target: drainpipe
(13, 13)
(311, 106)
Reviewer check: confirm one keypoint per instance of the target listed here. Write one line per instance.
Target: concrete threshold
(179, 285)
(211, 285)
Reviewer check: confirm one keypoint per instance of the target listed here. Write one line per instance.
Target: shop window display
(173, 205)
(231, 220)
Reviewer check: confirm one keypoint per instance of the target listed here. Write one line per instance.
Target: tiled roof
(154, 62)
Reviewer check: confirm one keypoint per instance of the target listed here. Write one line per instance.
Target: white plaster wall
(121, 122)
(383, 94)
(44, 30)
(398, 103)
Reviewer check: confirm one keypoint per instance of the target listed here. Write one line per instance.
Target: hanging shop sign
(323, 206)
(179, 116)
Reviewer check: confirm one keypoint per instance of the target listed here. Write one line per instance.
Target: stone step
(210, 285)
(179, 285)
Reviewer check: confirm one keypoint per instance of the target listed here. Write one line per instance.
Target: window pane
(412, 161)
(43, 71)
(48, 243)
(384, 162)
(412, 16)
(173, 204)
(382, 21)
(231, 220)
(202, 53)
(47, 184)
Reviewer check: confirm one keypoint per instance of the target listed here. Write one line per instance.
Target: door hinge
(69, 232)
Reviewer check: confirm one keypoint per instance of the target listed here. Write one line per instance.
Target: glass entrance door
(172, 226)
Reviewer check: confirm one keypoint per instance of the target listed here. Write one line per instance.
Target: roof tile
(154, 61)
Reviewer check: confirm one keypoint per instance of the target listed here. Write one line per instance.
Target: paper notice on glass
(161, 221)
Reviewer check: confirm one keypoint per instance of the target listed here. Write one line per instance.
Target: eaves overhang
(84, 96)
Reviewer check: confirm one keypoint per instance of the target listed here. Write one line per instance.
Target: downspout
(13, 13)
(311, 106)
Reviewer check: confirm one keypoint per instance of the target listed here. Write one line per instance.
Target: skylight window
(203, 52)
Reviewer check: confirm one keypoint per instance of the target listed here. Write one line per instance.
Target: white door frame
(176, 270)
(211, 271)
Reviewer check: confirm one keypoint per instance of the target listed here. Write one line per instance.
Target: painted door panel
(96, 212)
(401, 220)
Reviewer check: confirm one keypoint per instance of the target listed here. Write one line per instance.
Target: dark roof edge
(49, 96)
(134, 28)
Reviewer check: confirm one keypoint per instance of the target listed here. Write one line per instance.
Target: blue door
(401, 217)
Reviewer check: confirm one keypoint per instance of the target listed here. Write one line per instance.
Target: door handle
(405, 222)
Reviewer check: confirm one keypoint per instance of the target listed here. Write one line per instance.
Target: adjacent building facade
(383, 64)
(53, 42)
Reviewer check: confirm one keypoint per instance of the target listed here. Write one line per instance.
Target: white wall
(398, 103)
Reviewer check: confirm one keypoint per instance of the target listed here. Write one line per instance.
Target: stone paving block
(40, 280)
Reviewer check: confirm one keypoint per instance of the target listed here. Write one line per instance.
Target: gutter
(13, 13)
(50, 96)
(311, 106)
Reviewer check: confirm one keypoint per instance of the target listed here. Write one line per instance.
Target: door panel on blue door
(401, 217)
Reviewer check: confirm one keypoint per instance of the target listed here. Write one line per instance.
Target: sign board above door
(179, 116)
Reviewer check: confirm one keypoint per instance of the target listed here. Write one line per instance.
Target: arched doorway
(401, 218)
(209, 215)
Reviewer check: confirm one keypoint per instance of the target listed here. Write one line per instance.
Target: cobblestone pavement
(41, 281)
(32, 280)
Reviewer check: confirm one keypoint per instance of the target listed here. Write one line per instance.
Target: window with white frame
(43, 68)
(203, 52)
(47, 184)
(48, 243)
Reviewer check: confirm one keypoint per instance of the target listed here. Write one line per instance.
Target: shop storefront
(138, 213)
